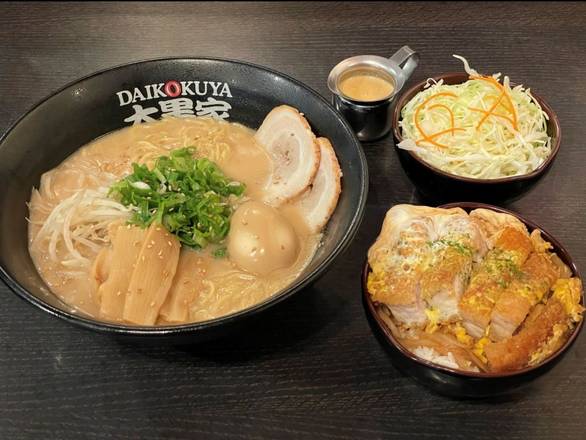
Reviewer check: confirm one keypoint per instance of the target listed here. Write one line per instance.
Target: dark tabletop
(312, 368)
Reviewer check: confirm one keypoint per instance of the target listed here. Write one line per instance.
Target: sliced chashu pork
(287, 137)
(319, 201)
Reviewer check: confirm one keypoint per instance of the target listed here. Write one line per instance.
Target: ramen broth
(221, 286)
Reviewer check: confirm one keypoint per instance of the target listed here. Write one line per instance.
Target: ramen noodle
(106, 252)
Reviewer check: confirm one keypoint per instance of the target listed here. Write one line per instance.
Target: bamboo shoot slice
(186, 286)
(113, 268)
(152, 277)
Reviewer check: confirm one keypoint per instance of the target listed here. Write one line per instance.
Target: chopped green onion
(190, 197)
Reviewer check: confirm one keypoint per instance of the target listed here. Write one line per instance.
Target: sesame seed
(152, 304)
(149, 246)
(160, 253)
(142, 259)
(118, 293)
(170, 244)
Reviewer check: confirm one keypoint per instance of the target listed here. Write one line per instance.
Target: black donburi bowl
(438, 186)
(450, 381)
(114, 98)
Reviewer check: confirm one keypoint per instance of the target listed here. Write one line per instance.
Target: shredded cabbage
(476, 142)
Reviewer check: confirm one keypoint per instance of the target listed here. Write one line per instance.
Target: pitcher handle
(407, 59)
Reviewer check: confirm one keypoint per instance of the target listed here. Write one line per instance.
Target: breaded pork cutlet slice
(398, 259)
(543, 332)
(458, 245)
(537, 276)
(500, 265)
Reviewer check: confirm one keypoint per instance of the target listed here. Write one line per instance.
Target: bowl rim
(390, 338)
(170, 330)
(461, 77)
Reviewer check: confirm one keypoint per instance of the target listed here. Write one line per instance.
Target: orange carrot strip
(493, 114)
(449, 111)
(425, 137)
(498, 85)
(437, 144)
(501, 87)
(439, 133)
(416, 118)
(490, 110)
(503, 104)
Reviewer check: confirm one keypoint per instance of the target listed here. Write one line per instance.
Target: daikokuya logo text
(180, 104)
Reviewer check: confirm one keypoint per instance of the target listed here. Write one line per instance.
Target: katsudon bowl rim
(461, 77)
(372, 306)
(277, 297)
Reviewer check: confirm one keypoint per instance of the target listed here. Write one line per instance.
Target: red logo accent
(172, 89)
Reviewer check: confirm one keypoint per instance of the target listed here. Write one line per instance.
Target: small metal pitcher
(372, 120)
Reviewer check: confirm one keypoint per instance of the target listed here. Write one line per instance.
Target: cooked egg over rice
(472, 291)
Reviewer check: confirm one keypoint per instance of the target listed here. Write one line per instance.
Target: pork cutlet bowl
(441, 186)
(112, 99)
(454, 382)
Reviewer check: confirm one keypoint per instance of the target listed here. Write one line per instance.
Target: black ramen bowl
(438, 186)
(452, 382)
(113, 99)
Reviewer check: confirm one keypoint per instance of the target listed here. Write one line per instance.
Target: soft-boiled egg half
(261, 239)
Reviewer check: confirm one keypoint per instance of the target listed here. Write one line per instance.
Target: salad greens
(190, 197)
(482, 128)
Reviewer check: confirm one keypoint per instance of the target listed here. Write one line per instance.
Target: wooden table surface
(312, 369)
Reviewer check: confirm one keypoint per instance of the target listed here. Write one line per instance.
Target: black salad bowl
(115, 98)
(438, 186)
